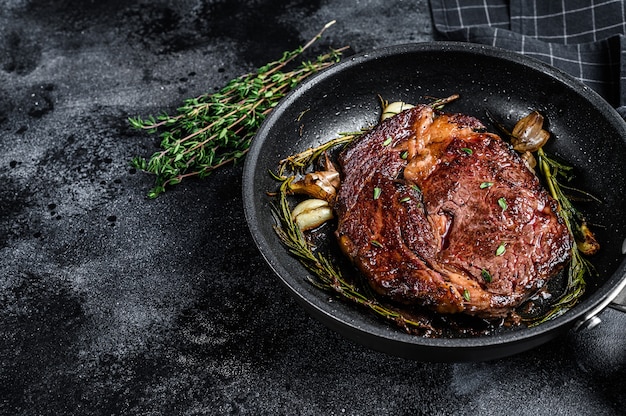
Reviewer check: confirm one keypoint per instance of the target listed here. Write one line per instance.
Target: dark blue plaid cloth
(585, 38)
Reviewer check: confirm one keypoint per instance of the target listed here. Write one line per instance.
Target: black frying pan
(589, 134)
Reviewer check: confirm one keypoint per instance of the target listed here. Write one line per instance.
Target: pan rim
(563, 322)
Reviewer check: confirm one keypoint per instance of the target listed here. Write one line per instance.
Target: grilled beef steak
(436, 212)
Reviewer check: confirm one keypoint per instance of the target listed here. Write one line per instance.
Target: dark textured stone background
(113, 304)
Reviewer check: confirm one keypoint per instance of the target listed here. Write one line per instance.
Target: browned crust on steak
(432, 233)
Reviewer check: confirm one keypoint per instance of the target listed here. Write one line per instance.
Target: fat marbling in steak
(437, 212)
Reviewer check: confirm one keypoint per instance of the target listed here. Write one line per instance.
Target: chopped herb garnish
(405, 199)
(376, 243)
(467, 150)
(502, 203)
(377, 192)
(501, 249)
(404, 155)
(416, 188)
(387, 141)
(486, 185)
(466, 295)
(486, 275)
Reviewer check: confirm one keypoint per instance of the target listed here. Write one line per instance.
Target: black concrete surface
(114, 304)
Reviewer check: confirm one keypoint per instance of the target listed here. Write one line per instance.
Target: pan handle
(619, 301)
(615, 300)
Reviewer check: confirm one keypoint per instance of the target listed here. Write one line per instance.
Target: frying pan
(588, 132)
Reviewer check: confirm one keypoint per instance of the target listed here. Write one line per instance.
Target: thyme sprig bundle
(212, 130)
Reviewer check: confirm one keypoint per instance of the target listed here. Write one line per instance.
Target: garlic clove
(587, 243)
(311, 213)
(394, 108)
(528, 133)
(319, 185)
(529, 161)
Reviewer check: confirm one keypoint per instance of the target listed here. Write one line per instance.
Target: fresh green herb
(213, 130)
(416, 188)
(387, 141)
(486, 275)
(486, 185)
(501, 249)
(467, 150)
(405, 199)
(376, 243)
(502, 203)
(466, 295)
(377, 192)
(404, 155)
(440, 103)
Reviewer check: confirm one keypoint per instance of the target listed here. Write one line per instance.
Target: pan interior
(587, 132)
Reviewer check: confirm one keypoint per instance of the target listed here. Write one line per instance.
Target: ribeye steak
(437, 212)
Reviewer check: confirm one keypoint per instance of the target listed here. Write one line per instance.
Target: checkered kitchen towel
(585, 38)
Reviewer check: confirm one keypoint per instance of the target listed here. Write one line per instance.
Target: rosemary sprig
(212, 130)
(301, 161)
(579, 266)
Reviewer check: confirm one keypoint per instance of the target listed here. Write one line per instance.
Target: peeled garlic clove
(394, 108)
(311, 213)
